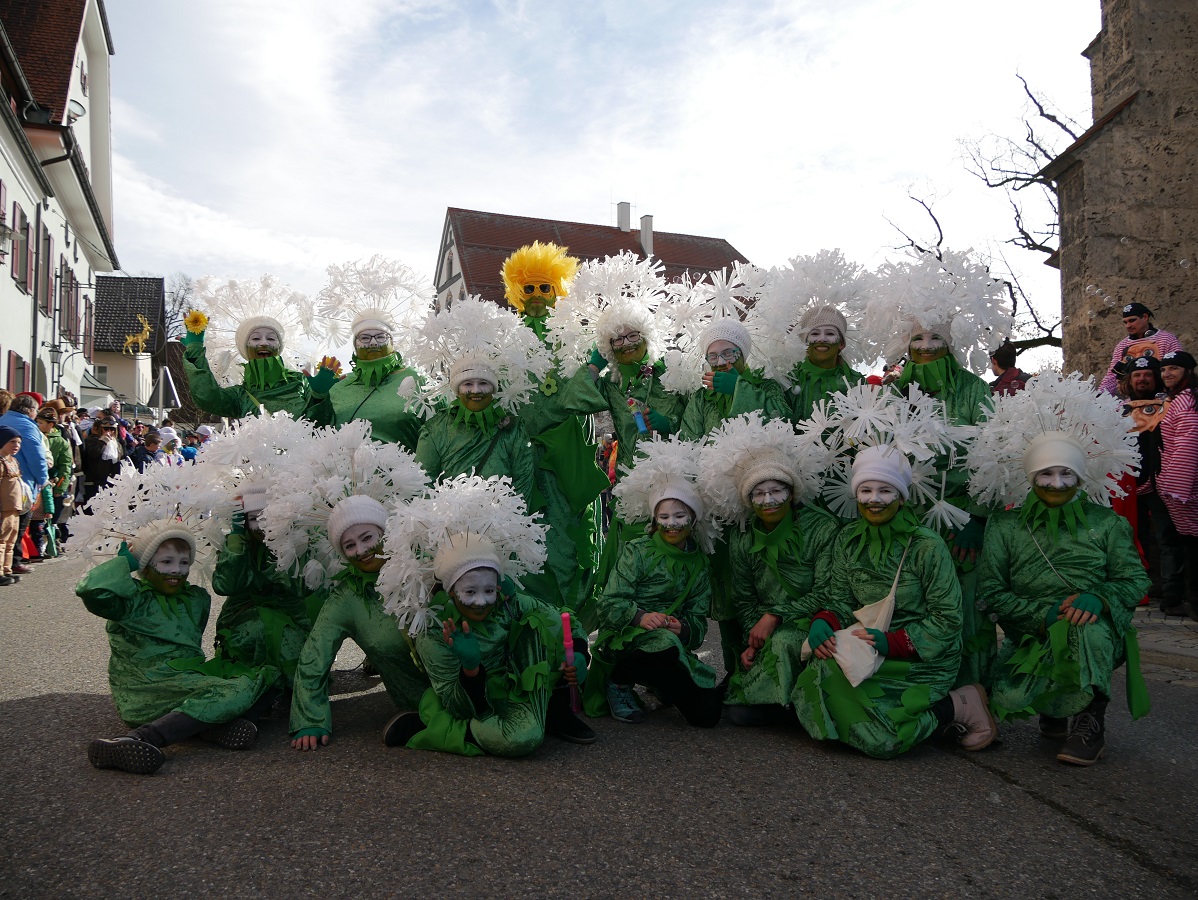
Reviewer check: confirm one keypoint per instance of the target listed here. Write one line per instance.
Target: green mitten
(1054, 613)
(465, 647)
(970, 537)
(125, 553)
(820, 632)
(322, 380)
(659, 423)
(725, 382)
(1089, 603)
(880, 643)
(192, 339)
(597, 360)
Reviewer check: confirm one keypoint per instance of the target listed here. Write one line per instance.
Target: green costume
(890, 712)
(1057, 672)
(967, 401)
(267, 382)
(502, 710)
(266, 616)
(353, 610)
(810, 384)
(567, 479)
(707, 410)
(651, 576)
(455, 441)
(784, 572)
(60, 452)
(371, 392)
(157, 661)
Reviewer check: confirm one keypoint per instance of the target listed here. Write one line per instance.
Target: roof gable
(45, 35)
(119, 301)
(484, 240)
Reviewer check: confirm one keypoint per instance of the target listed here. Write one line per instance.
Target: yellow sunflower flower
(196, 321)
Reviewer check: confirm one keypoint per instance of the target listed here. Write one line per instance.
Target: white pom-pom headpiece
(1055, 421)
(667, 469)
(378, 293)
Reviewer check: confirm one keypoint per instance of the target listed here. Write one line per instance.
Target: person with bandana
(909, 698)
(1177, 483)
(568, 482)
(1143, 339)
(266, 382)
(155, 625)
(822, 371)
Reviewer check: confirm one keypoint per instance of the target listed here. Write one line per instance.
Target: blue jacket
(32, 455)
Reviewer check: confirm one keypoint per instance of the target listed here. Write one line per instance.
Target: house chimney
(647, 235)
(624, 215)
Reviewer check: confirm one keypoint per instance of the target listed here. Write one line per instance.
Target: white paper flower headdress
(457, 509)
(666, 469)
(1067, 406)
(376, 293)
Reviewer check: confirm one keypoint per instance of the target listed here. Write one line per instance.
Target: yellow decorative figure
(138, 339)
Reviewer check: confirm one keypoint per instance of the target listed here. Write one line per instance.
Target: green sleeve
(444, 673)
(310, 702)
(234, 573)
(428, 451)
(206, 393)
(108, 589)
(765, 396)
(521, 466)
(318, 409)
(1016, 613)
(618, 602)
(835, 593)
(61, 451)
(695, 609)
(694, 419)
(744, 584)
(1126, 582)
(939, 632)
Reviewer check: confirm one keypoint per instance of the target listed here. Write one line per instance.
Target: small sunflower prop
(196, 322)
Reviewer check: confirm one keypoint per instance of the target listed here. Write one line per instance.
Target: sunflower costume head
(535, 276)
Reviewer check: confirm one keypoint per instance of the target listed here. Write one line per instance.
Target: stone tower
(1128, 187)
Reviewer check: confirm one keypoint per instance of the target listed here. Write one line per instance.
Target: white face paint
(824, 334)
(770, 492)
(358, 542)
(927, 346)
(1056, 478)
(877, 493)
(474, 386)
(674, 519)
(253, 521)
(263, 342)
(371, 337)
(476, 588)
(171, 562)
(723, 355)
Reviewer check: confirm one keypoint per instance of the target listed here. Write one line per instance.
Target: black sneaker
(239, 734)
(569, 727)
(1053, 728)
(6, 580)
(402, 728)
(1086, 741)
(125, 753)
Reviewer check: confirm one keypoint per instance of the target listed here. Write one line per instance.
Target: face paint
(362, 545)
(1055, 486)
(263, 343)
(770, 501)
(926, 347)
(372, 344)
(169, 567)
(539, 298)
(674, 520)
(628, 346)
(253, 524)
(475, 593)
(824, 344)
(878, 502)
(476, 394)
(724, 355)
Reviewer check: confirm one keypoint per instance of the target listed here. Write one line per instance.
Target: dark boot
(402, 728)
(561, 722)
(1053, 728)
(1087, 736)
(760, 714)
(170, 729)
(239, 734)
(125, 753)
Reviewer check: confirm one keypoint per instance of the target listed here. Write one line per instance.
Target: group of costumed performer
(500, 676)
(155, 531)
(251, 320)
(1059, 570)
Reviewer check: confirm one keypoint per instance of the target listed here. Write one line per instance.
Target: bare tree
(180, 291)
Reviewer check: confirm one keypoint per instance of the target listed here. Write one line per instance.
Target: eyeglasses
(108, 428)
(628, 340)
(731, 355)
(776, 495)
(373, 339)
(530, 289)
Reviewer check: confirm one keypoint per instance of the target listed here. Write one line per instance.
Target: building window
(102, 374)
(87, 329)
(45, 278)
(17, 373)
(20, 244)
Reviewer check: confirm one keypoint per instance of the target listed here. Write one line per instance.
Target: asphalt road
(654, 809)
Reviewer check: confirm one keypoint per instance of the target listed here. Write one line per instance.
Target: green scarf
(538, 324)
(785, 541)
(361, 583)
(931, 377)
(171, 606)
(1035, 513)
(880, 538)
(372, 372)
(824, 381)
(261, 374)
(678, 561)
(485, 419)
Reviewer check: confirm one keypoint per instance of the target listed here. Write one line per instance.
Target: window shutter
(30, 255)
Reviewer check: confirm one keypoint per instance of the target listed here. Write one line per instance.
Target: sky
(283, 136)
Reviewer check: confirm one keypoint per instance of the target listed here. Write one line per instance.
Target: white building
(55, 188)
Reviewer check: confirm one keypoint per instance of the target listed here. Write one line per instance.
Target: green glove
(465, 648)
(127, 554)
(597, 360)
(970, 537)
(1054, 612)
(880, 643)
(820, 632)
(192, 339)
(725, 382)
(1089, 603)
(322, 380)
(659, 423)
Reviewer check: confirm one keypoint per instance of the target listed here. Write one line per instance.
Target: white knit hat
(247, 325)
(355, 510)
(149, 538)
(819, 316)
(882, 463)
(681, 490)
(371, 320)
(167, 434)
(764, 466)
(253, 497)
(461, 553)
(472, 366)
(1054, 448)
(726, 329)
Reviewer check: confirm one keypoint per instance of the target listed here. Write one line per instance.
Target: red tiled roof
(44, 34)
(484, 240)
